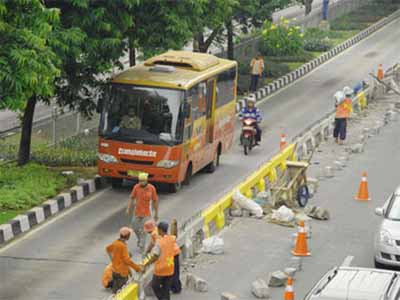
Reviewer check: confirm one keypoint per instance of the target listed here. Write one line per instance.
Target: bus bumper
(118, 170)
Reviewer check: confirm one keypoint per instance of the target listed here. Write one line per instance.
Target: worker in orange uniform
(151, 229)
(380, 73)
(343, 110)
(162, 256)
(120, 260)
(143, 198)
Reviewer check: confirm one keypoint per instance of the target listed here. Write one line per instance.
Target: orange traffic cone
(380, 74)
(363, 189)
(289, 292)
(301, 242)
(282, 144)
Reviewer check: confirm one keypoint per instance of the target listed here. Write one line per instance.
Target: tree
(210, 22)
(250, 14)
(308, 6)
(28, 64)
(161, 25)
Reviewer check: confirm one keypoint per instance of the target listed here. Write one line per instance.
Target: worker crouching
(120, 260)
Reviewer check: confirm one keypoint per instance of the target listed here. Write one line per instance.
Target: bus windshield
(143, 114)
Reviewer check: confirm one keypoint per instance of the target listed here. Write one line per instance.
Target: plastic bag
(213, 245)
(247, 204)
(283, 214)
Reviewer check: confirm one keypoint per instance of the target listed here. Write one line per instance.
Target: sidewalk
(254, 248)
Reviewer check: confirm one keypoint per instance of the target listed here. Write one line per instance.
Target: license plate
(133, 173)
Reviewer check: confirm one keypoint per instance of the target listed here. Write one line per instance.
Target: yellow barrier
(130, 292)
(216, 211)
(362, 100)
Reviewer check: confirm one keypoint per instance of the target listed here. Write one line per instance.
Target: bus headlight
(107, 158)
(167, 164)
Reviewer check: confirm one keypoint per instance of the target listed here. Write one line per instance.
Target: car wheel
(175, 187)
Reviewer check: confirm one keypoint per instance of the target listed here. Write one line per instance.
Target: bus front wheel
(116, 183)
(174, 187)
(212, 166)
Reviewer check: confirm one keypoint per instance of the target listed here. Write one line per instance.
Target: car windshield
(143, 114)
(393, 212)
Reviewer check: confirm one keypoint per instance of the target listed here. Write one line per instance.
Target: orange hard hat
(124, 231)
(149, 226)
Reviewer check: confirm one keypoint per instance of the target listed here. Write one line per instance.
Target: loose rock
(260, 289)
(290, 272)
(236, 212)
(357, 148)
(277, 278)
(295, 262)
(228, 296)
(317, 212)
(196, 283)
(328, 172)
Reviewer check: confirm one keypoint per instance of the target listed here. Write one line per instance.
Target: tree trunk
(308, 5)
(24, 152)
(200, 43)
(230, 48)
(132, 53)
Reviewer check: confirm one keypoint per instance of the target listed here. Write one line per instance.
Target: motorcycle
(248, 136)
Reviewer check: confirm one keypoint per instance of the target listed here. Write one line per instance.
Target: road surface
(65, 259)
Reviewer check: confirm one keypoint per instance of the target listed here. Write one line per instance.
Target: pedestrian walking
(120, 260)
(162, 256)
(343, 110)
(144, 199)
(257, 68)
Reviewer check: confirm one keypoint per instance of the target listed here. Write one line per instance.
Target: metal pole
(78, 123)
(54, 117)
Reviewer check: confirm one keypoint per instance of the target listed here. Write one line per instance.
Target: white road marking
(347, 261)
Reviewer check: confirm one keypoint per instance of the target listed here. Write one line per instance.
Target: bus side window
(226, 87)
(198, 102)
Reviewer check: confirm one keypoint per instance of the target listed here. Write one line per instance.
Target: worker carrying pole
(162, 255)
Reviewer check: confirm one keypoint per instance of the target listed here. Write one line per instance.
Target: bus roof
(174, 69)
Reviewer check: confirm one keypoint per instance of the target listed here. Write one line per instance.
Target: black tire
(188, 176)
(246, 145)
(116, 183)
(212, 166)
(303, 195)
(175, 187)
(378, 265)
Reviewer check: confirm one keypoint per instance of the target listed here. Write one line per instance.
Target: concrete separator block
(53, 206)
(40, 217)
(6, 233)
(24, 222)
(67, 199)
(79, 192)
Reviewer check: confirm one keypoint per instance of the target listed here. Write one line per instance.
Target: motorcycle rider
(250, 111)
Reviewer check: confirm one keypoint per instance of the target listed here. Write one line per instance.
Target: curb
(37, 215)
(306, 68)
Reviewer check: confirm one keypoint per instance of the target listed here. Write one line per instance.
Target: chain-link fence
(46, 132)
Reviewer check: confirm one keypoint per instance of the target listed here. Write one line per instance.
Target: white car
(351, 283)
(387, 239)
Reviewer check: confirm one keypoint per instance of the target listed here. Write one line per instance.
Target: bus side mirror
(186, 110)
(99, 105)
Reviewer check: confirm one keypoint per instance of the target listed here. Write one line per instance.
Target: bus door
(210, 110)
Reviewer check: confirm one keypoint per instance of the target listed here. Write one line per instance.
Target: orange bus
(170, 117)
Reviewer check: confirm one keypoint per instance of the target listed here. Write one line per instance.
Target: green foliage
(275, 70)
(28, 64)
(74, 151)
(317, 45)
(25, 187)
(281, 39)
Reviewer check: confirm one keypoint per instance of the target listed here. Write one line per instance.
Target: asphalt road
(65, 260)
